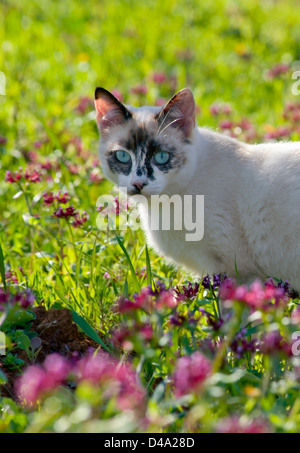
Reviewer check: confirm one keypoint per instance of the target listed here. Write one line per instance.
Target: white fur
(252, 221)
(251, 195)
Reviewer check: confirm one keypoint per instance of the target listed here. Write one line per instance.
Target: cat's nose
(139, 185)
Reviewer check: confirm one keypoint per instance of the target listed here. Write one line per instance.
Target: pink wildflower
(37, 381)
(139, 89)
(118, 95)
(220, 108)
(118, 380)
(190, 373)
(13, 177)
(278, 70)
(11, 277)
(166, 299)
(85, 104)
(34, 176)
(257, 296)
(226, 124)
(159, 77)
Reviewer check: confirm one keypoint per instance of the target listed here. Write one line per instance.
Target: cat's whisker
(170, 124)
(162, 123)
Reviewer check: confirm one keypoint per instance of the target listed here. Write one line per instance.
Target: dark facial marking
(142, 142)
(140, 171)
(118, 167)
(139, 137)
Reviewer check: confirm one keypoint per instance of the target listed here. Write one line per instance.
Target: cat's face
(147, 150)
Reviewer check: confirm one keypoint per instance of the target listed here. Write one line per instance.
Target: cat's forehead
(142, 131)
(142, 114)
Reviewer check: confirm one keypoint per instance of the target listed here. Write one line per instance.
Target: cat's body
(251, 192)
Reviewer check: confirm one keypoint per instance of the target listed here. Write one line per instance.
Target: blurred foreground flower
(117, 380)
(190, 373)
(22, 298)
(257, 296)
(241, 425)
(278, 70)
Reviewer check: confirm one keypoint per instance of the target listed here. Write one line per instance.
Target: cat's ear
(109, 110)
(180, 112)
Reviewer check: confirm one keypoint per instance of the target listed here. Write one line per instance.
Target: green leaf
(88, 330)
(23, 342)
(17, 317)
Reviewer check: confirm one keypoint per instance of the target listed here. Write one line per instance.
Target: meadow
(154, 348)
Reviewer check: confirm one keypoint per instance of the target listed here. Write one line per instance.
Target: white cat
(251, 192)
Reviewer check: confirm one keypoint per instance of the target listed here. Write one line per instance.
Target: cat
(251, 192)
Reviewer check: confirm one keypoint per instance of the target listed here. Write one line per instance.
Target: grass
(53, 55)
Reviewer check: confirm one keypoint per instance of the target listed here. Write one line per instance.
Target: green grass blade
(2, 268)
(88, 330)
(148, 264)
(134, 277)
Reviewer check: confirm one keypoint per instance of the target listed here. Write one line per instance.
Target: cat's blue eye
(162, 157)
(123, 156)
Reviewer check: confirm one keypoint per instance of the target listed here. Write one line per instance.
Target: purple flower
(23, 299)
(65, 213)
(48, 198)
(212, 320)
(217, 280)
(273, 343)
(79, 220)
(159, 287)
(62, 198)
(241, 345)
(176, 319)
(187, 292)
(190, 373)
(27, 299)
